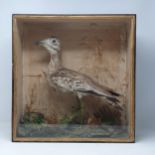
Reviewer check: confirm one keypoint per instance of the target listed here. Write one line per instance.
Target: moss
(33, 117)
(73, 118)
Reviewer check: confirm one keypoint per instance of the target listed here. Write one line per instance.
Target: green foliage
(73, 118)
(32, 117)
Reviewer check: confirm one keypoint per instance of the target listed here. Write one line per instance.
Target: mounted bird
(68, 80)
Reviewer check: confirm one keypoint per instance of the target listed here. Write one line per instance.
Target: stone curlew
(73, 81)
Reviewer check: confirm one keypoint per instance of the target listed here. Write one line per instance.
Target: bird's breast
(67, 83)
(62, 82)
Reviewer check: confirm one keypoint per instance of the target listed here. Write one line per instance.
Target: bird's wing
(70, 80)
(82, 83)
(73, 81)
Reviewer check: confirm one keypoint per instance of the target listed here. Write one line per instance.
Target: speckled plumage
(72, 81)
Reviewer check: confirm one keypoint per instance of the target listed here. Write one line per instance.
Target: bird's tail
(112, 98)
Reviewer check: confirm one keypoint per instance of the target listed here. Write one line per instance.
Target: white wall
(145, 85)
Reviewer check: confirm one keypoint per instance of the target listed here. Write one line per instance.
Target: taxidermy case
(98, 51)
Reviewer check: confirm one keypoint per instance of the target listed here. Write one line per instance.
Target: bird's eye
(53, 41)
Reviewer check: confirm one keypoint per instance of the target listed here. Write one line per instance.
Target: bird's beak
(38, 43)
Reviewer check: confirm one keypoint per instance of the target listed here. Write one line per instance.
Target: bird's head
(52, 44)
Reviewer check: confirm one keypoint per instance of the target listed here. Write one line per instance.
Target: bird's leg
(79, 97)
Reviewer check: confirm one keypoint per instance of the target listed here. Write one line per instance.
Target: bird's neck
(54, 63)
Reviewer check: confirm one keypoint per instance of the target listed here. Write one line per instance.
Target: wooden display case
(100, 47)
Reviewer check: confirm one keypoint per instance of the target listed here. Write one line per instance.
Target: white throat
(54, 63)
